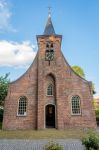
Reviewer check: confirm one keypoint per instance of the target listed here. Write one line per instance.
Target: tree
(4, 82)
(79, 71)
(96, 105)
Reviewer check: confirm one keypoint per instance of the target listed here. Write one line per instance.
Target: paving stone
(70, 144)
(97, 129)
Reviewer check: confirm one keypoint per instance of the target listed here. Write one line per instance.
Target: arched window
(76, 109)
(51, 45)
(47, 45)
(22, 105)
(50, 90)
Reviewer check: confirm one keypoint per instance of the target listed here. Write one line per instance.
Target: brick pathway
(97, 130)
(39, 144)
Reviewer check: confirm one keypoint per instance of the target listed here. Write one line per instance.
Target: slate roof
(49, 29)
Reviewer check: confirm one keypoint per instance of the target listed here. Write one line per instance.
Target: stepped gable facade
(50, 94)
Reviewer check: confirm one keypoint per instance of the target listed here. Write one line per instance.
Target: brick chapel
(50, 94)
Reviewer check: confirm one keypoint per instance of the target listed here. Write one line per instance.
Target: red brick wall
(33, 85)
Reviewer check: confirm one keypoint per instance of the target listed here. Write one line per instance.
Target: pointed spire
(49, 29)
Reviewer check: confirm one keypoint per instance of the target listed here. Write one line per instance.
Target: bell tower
(49, 44)
(49, 51)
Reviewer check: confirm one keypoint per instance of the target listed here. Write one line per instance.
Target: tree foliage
(79, 71)
(96, 105)
(4, 81)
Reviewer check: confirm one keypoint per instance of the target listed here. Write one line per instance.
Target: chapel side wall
(25, 86)
(74, 85)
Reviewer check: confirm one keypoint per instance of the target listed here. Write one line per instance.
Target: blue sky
(76, 20)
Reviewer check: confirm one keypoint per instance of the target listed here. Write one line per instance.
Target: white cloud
(5, 17)
(16, 54)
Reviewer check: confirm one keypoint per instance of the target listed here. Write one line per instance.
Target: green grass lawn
(44, 134)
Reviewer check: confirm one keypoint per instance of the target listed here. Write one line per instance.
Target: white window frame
(76, 114)
(51, 89)
(25, 112)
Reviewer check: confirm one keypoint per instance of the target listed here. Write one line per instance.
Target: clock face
(49, 55)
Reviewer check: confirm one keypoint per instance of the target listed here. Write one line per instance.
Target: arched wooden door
(50, 116)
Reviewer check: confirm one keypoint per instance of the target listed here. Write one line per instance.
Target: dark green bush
(91, 142)
(53, 146)
(97, 117)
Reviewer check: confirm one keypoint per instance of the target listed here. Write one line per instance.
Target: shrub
(53, 146)
(91, 142)
(97, 118)
(97, 112)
